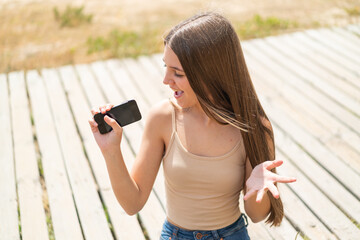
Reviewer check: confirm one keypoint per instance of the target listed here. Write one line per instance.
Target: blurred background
(49, 33)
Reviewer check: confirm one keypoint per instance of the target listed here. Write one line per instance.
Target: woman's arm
(132, 190)
(260, 180)
(257, 211)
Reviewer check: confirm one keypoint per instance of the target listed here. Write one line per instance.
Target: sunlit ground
(36, 34)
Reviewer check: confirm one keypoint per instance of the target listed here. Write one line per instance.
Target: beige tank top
(202, 193)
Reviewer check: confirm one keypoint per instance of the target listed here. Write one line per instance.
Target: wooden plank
(157, 60)
(338, 194)
(307, 91)
(324, 181)
(256, 231)
(296, 54)
(354, 29)
(264, 231)
(337, 133)
(347, 41)
(63, 212)
(328, 49)
(297, 110)
(317, 97)
(331, 133)
(89, 206)
(331, 41)
(323, 156)
(124, 83)
(330, 60)
(155, 74)
(32, 214)
(143, 82)
(8, 200)
(89, 84)
(300, 215)
(125, 227)
(80, 106)
(310, 78)
(284, 231)
(349, 37)
(329, 214)
(152, 214)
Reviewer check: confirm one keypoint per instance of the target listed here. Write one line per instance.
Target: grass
(43, 34)
(127, 43)
(108, 218)
(353, 11)
(72, 16)
(259, 26)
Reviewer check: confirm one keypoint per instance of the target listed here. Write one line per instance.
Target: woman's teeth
(178, 93)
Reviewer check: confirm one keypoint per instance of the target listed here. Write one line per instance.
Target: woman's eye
(178, 75)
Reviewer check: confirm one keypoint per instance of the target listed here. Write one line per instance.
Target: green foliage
(261, 27)
(50, 227)
(129, 43)
(353, 12)
(72, 16)
(126, 43)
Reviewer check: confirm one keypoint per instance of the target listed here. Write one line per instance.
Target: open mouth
(178, 93)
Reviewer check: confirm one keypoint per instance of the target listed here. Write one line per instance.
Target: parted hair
(210, 53)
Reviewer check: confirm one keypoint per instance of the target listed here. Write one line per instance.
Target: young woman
(213, 138)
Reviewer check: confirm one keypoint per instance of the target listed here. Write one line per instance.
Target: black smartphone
(124, 114)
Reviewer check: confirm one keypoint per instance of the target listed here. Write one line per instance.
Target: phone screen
(125, 113)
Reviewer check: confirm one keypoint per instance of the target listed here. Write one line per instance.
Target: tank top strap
(173, 118)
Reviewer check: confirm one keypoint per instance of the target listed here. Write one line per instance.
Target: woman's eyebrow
(176, 68)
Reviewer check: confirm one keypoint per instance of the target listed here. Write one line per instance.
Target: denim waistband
(179, 233)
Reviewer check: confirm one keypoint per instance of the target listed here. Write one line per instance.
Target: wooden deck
(53, 179)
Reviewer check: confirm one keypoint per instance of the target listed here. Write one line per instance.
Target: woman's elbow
(132, 210)
(257, 218)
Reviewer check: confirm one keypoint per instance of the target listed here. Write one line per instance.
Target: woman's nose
(167, 79)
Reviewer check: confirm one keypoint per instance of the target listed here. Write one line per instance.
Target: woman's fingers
(103, 109)
(274, 191)
(273, 164)
(260, 195)
(109, 106)
(115, 126)
(94, 111)
(93, 125)
(283, 179)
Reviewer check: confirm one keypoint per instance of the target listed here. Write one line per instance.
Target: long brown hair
(209, 51)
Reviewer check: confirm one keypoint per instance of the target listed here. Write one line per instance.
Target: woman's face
(177, 80)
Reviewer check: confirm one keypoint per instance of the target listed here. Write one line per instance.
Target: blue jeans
(235, 231)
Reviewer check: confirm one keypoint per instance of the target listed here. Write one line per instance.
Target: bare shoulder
(161, 111)
(159, 117)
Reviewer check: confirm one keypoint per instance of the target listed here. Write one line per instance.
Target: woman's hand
(262, 179)
(111, 140)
